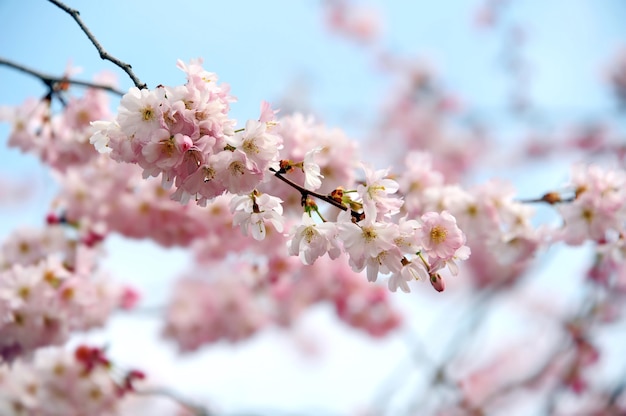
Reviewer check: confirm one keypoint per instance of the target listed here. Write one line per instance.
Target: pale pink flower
(366, 240)
(201, 184)
(439, 235)
(26, 120)
(337, 158)
(587, 218)
(409, 271)
(407, 239)
(236, 172)
(312, 176)
(109, 138)
(196, 74)
(268, 115)
(462, 253)
(28, 246)
(376, 192)
(100, 139)
(599, 205)
(164, 151)
(253, 211)
(311, 240)
(61, 382)
(385, 262)
(260, 147)
(141, 112)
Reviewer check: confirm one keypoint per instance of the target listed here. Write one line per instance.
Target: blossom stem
(319, 214)
(419, 254)
(103, 54)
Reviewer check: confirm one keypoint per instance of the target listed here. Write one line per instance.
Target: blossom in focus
(252, 211)
(439, 235)
(376, 193)
(311, 240)
(364, 241)
(312, 176)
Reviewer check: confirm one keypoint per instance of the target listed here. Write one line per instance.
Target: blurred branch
(196, 409)
(103, 54)
(54, 83)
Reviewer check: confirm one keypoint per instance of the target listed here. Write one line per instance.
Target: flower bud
(437, 281)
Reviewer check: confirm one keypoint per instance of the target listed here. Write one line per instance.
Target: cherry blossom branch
(103, 54)
(55, 83)
(163, 392)
(305, 192)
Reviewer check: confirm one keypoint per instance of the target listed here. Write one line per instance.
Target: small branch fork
(103, 54)
(53, 83)
(358, 216)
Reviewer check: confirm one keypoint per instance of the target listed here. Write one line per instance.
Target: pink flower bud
(129, 298)
(437, 281)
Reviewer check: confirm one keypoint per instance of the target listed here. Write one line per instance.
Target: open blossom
(141, 112)
(440, 236)
(599, 205)
(260, 146)
(236, 172)
(366, 240)
(312, 175)
(26, 120)
(62, 382)
(311, 240)
(409, 271)
(375, 193)
(201, 184)
(41, 304)
(252, 211)
(164, 151)
(386, 261)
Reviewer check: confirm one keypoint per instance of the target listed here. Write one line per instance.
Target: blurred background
(515, 68)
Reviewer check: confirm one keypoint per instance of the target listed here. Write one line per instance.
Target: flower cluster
(598, 211)
(125, 203)
(59, 139)
(47, 290)
(183, 134)
(60, 382)
(234, 301)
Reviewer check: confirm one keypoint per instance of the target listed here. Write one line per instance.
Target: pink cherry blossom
(236, 172)
(439, 235)
(311, 240)
(365, 241)
(260, 146)
(376, 192)
(252, 211)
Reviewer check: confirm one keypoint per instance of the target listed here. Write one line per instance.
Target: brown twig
(103, 54)
(53, 82)
(305, 192)
(551, 198)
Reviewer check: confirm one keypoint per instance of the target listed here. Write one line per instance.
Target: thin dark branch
(551, 198)
(103, 54)
(53, 83)
(305, 192)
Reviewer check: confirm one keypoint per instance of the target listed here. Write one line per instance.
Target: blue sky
(261, 47)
